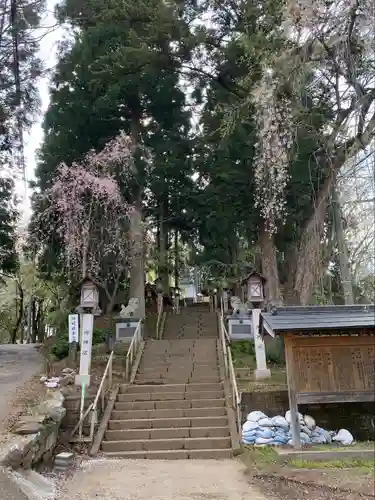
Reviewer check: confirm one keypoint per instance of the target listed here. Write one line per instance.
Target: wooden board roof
(315, 318)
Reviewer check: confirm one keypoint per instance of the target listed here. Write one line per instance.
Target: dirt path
(160, 480)
(17, 364)
(283, 489)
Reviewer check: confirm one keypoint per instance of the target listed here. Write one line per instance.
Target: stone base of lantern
(262, 374)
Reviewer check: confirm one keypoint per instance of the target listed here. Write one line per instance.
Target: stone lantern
(253, 286)
(89, 295)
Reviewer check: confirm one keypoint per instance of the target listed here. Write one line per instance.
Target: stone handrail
(93, 407)
(133, 349)
(229, 368)
(159, 321)
(101, 394)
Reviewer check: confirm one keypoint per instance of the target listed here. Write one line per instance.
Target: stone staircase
(176, 407)
(193, 322)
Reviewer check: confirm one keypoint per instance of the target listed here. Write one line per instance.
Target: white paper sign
(73, 328)
(86, 347)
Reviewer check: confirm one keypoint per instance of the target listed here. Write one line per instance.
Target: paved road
(17, 364)
(9, 490)
(160, 480)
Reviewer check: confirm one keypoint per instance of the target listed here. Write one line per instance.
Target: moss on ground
(266, 457)
(362, 465)
(244, 362)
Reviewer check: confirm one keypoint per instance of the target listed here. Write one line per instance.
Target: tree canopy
(239, 127)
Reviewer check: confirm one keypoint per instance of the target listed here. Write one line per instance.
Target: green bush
(275, 352)
(59, 319)
(60, 349)
(100, 335)
(243, 347)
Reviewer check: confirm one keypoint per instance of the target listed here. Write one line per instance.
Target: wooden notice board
(329, 368)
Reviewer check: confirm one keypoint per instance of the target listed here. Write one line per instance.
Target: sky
(33, 139)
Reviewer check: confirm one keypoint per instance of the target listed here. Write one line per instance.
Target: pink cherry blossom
(93, 217)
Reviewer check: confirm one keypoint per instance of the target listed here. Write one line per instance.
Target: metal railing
(133, 349)
(105, 385)
(229, 368)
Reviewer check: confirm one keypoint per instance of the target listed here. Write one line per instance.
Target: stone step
(167, 368)
(176, 344)
(189, 337)
(163, 342)
(179, 364)
(187, 356)
(167, 444)
(186, 368)
(180, 404)
(207, 417)
(178, 373)
(215, 454)
(136, 389)
(140, 379)
(201, 369)
(198, 354)
(169, 433)
(163, 396)
(194, 347)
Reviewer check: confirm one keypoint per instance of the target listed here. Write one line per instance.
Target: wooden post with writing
(73, 338)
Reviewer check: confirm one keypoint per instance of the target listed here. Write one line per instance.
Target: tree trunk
(19, 312)
(163, 249)
(34, 320)
(176, 259)
(137, 279)
(137, 276)
(345, 274)
(29, 320)
(271, 272)
(40, 322)
(269, 267)
(310, 250)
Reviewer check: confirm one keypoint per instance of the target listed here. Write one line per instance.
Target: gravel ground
(160, 480)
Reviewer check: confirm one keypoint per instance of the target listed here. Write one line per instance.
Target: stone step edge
(163, 440)
(156, 394)
(165, 418)
(172, 401)
(127, 386)
(164, 429)
(171, 454)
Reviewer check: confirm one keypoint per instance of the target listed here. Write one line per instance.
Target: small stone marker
(63, 461)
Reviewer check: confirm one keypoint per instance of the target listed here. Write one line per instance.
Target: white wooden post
(86, 346)
(261, 371)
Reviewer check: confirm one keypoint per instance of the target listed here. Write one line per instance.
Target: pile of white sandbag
(262, 430)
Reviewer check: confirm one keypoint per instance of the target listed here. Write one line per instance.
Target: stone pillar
(261, 371)
(225, 301)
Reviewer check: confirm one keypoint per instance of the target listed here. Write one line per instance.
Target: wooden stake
(290, 369)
